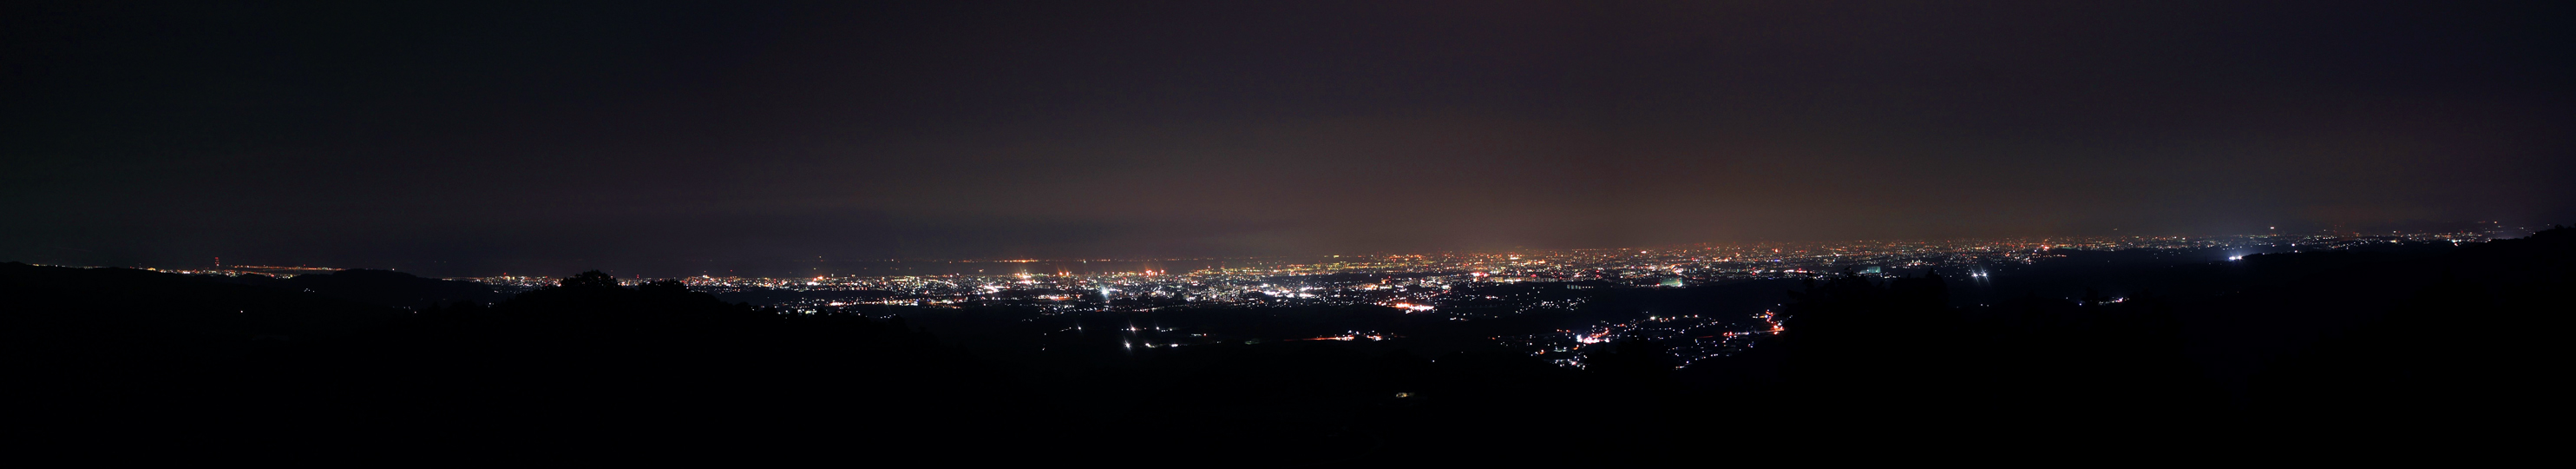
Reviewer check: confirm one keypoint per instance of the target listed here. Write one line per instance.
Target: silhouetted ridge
(584, 363)
(2368, 347)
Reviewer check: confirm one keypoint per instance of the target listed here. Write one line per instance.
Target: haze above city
(462, 140)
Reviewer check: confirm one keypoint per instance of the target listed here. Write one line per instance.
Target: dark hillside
(78, 330)
(2310, 346)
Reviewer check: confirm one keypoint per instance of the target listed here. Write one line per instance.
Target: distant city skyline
(887, 267)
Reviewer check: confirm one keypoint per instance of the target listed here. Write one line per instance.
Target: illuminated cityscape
(1284, 234)
(1461, 287)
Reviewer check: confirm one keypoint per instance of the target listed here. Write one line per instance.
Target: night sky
(672, 139)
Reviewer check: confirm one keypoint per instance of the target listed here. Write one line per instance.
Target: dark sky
(670, 138)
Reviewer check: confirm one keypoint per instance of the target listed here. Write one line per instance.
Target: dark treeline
(2276, 351)
(2363, 353)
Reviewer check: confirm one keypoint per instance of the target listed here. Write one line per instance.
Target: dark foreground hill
(381, 287)
(2282, 352)
(2410, 350)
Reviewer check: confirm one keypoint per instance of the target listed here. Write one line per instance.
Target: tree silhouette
(591, 279)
